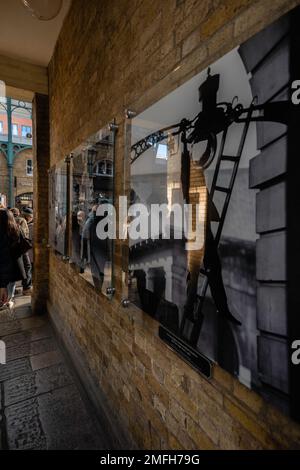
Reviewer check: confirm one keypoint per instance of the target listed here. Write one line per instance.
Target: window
(104, 167)
(29, 167)
(26, 130)
(15, 129)
(1, 127)
(162, 151)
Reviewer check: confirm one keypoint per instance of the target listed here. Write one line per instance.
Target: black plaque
(186, 352)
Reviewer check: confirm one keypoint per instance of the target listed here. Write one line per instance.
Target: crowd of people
(16, 254)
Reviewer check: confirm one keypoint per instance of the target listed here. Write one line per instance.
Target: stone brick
(208, 427)
(178, 412)
(246, 396)
(248, 442)
(140, 338)
(157, 355)
(207, 388)
(195, 433)
(141, 356)
(174, 444)
(190, 406)
(157, 389)
(219, 41)
(223, 13)
(248, 422)
(158, 373)
(223, 378)
(191, 42)
(197, 13)
(159, 406)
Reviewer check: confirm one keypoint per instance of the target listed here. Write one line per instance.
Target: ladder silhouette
(196, 323)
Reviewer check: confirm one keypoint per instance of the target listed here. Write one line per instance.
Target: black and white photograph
(58, 207)
(92, 176)
(221, 141)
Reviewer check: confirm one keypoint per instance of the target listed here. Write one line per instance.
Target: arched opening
(24, 200)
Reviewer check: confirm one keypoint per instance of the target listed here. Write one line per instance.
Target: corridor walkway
(41, 403)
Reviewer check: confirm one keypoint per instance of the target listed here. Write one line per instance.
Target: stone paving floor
(42, 406)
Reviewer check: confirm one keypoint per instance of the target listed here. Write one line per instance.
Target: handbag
(21, 246)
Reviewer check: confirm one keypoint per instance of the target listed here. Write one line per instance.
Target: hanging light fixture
(43, 9)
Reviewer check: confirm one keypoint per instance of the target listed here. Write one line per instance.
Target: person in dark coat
(27, 213)
(11, 268)
(94, 251)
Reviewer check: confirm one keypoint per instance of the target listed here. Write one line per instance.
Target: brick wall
(112, 55)
(3, 174)
(41, 163)
(24, 182)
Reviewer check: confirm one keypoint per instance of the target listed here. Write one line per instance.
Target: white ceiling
(26, 38)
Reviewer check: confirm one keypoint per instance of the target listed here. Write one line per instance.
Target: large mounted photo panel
(92, 186)
(58, 207)
(221, 144)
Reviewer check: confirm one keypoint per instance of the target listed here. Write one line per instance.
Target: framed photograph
(213, 250)
(58, 207)
(92, 191)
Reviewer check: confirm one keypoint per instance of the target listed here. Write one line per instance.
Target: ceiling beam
(19, 95)
(18, 74)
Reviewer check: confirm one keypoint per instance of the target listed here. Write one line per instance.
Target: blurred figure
(11, 267)
(60, 233)
(22, 224)
(27, 213)
(81, 218)
(21, 221)
(95, 252)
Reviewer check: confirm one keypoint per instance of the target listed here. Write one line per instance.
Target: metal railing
(16, 139)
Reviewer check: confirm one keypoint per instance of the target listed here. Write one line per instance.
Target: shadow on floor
(42, 405)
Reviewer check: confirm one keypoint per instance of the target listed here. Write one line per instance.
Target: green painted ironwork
(9, 148)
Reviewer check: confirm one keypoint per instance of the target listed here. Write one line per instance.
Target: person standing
(22, 224)
(27, 214)
(11, 266)
(21, 221)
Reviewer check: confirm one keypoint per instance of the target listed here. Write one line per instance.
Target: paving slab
(15, 369)
(33, 322)
(30, 349)
(40, 361)
(23, 301)
(10, 327)
(6, 315)
(66, 422)
(23, 312)
(36, 383)
(28, 335)
(24, 429)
